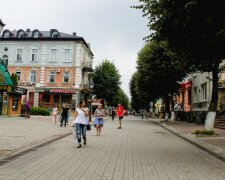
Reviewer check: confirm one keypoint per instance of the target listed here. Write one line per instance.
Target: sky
(114, 30)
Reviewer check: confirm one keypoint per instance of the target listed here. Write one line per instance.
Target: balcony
(86, 88)
(87, 67)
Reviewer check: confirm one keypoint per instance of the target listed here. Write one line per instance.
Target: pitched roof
(44, 35)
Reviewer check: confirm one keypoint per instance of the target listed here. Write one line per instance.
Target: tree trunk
(210, 119)
(167, 103)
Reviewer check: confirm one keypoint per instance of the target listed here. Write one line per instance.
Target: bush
(39, 111)
(204, 132)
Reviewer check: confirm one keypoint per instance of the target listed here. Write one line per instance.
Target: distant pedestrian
(27, 110)
(113, 113)
(80, 123)
(119, 113)
(177, 110)
(98, 122)
(64, 115)
(67, 117)
(54, 113)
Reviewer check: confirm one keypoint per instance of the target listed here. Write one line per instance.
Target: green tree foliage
(106, 79)
(14, 79)
(139, 98)
(121, 98)
(160, 70)
(194, 28)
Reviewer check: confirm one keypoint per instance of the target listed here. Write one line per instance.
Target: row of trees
(192, 33)
(106, 80)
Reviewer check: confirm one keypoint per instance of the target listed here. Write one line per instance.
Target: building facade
(51, 65)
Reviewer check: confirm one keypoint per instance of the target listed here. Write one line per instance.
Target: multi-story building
(201, 95)
(51, 65)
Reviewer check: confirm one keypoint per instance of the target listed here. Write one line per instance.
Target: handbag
(88, 127)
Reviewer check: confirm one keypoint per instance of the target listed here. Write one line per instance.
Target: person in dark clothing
(64, 115)
(113, 113)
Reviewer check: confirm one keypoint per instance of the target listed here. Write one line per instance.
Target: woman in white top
(81, 123)
(54, 113)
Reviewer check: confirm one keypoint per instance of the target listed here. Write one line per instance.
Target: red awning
(186, 85)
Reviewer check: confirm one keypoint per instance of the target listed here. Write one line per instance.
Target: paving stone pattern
(141, 150)
(17, 133)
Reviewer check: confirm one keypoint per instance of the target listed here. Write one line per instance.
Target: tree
(139, 98)
(106, 80)
(196, 30)
(121, 98)
(160, 69)
(14, 79)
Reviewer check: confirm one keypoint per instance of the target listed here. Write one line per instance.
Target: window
(34, 55)
(52, 76)
(33, 76)
(53, 55)
(189, 96)
(19, 55)
(66, 77)
(204, 92)
(5, 60)
(18, 73)
(55, 34)
(36, 34)
(67, 55)
(195, 94)
(7, 34)
(21, 34)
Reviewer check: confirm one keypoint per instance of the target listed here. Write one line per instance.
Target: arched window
(5, 59)
(36, 34)
(20, 34)
(55, 34)
(6, 34)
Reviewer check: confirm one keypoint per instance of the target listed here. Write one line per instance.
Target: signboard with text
(64, 91)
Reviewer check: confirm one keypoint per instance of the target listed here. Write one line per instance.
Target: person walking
(80, 123)
(27, 110)
(54, 113)
(98, 122)
(64, 115)
(113, 113)
(119, 113)
(67, 116)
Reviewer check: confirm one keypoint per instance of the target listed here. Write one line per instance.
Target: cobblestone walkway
(141, 150)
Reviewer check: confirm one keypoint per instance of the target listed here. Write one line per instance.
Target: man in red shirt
(119, 113)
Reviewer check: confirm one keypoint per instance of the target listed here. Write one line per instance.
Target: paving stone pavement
(213, 144)
(140, 150)
(17, 133)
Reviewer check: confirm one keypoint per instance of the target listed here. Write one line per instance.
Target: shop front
(6, 87)
(57, 97)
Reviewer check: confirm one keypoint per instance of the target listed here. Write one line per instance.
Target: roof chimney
(28, 30)
(74, 34)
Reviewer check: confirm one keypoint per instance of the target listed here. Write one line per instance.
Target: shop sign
(22, 91)
(63, 91)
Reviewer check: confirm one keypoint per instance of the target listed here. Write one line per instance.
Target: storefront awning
(186, 85)
(5, 79)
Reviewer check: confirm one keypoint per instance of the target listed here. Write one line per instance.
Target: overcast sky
(114, 30)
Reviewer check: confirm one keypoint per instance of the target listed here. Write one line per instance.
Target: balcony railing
(87, 67)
